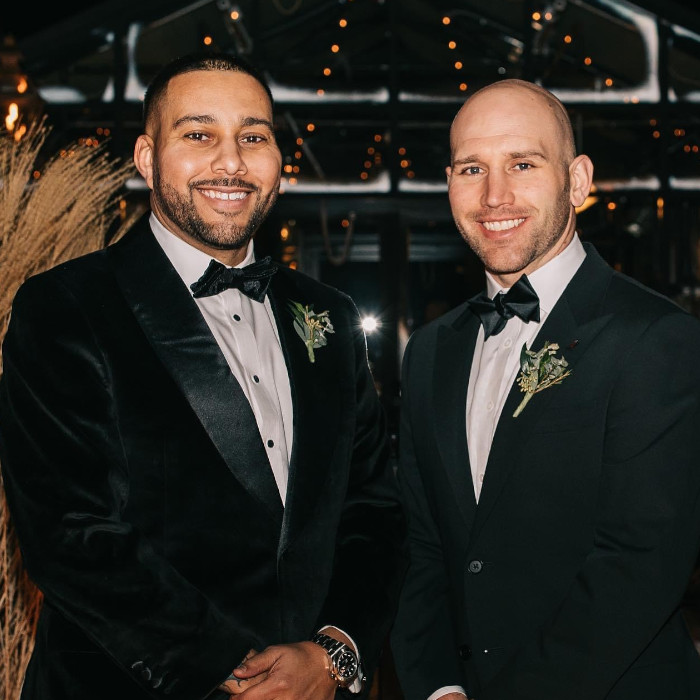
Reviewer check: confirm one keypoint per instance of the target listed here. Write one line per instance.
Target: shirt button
(256, 379)
(270, 443)
(236, 317)
(489, 406)
(508, 342)
(481, 478)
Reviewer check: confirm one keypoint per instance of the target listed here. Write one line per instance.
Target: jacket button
(475, 566)
(465, 652)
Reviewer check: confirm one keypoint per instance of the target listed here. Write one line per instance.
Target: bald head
(549, 105)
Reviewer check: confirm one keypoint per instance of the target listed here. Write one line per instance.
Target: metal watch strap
(332, 647)
(328, 643)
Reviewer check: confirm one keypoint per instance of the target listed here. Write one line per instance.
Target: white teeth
(214, 194)
(502, 225)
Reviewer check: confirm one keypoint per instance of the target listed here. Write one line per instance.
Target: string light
(208, 41)
(446, 20)
(343, 23)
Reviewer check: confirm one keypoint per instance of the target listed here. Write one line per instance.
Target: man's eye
(523, 166)
(471, 170)
(253, 138)
(196, 136)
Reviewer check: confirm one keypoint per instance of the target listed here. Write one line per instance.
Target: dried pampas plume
(49, 213)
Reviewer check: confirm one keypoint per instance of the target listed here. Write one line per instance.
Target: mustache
(224, 182)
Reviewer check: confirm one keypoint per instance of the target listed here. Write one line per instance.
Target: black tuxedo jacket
(564, 582)
(142, 496)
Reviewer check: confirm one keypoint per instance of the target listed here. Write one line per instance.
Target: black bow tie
(253, 280)
(520, 300)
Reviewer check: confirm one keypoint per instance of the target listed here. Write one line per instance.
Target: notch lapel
(575, 317)
(181, 338)
(452, 366)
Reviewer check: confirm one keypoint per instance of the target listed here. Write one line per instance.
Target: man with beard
(549, 444)
(194, 455)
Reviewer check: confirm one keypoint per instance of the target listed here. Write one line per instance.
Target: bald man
(549, 446)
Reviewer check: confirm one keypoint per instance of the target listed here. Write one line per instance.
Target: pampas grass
(50, 211)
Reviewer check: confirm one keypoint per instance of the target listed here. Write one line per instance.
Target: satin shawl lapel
(178, 333)
(316, 400)
(452, 365)
(575, 320)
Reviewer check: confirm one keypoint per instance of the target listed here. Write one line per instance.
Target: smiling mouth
(225, 196)
(502, 225)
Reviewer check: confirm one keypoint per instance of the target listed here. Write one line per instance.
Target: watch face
(346, 662)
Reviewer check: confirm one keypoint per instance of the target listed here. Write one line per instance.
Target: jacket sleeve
(370, 557)
(422, 640)
(66, 481)
(647, 528)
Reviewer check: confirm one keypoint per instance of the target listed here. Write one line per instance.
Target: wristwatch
(345, 666)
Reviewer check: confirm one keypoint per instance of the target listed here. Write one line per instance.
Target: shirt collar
(189, 262)
(550, 280)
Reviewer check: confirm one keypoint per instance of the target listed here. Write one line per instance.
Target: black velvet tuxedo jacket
(564, 582)
(142, 496)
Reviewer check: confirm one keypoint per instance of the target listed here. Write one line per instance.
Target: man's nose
(497, 190)
(228, 158)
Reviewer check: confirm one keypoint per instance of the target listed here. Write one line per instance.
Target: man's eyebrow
(257, 121)
(195, 119)
(527, 154)
(208, 120)
(513, 155)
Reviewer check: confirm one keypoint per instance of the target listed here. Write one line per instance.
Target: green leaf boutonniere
(310, 326)
(539, 370)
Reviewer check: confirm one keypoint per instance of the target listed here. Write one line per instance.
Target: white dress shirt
(496, 363)
(246, 332)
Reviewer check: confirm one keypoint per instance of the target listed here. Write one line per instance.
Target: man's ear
(580, 179)
(448, 172)
(143, 158)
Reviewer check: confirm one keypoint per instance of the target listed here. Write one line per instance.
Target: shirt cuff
(447, 689)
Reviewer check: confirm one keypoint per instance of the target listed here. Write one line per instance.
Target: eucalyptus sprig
(310, 326)
(538, 371)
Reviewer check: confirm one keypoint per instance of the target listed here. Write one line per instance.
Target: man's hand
(287, 672)
(236, 686)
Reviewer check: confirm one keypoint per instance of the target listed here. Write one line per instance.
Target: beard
(515, 256)
(225, 235)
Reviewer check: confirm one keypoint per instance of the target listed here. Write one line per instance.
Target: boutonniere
(310, 326)
(539, 371)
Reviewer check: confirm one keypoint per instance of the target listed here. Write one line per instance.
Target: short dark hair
(205, 61)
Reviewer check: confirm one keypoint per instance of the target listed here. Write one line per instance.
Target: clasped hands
(297, 671)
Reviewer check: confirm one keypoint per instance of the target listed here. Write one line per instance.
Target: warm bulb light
(12, 116)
